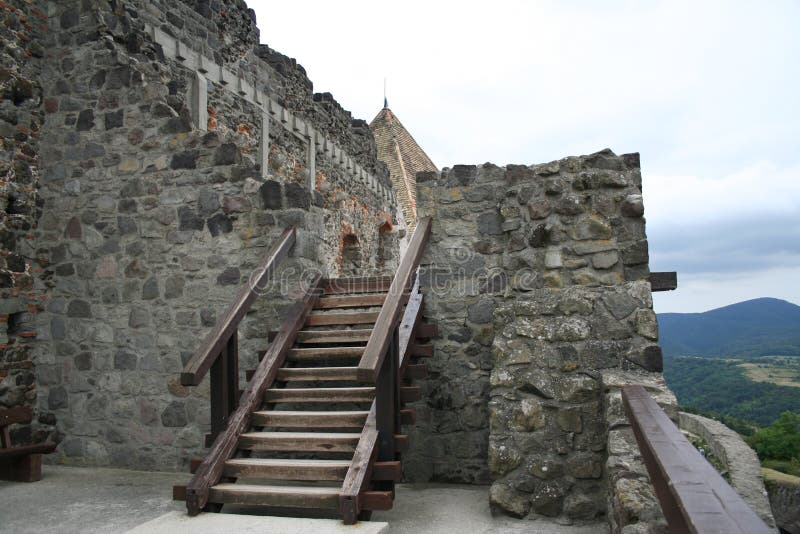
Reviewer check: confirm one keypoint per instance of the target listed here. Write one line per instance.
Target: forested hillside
(760, 327)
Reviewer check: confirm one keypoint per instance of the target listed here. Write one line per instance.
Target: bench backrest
(20, 414)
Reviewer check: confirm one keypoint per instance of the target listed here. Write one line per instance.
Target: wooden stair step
(309, 419)
(306, 374)
(353, 301)
(299, 441)
(280, 469)
(356, 394)
(333, 336)
(323, 353)
(369, 284)
(346, 318)
(277, 496)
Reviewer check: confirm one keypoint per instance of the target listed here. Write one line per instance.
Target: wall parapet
(741, 462)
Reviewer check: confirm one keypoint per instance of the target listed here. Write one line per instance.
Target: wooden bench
(22, 463)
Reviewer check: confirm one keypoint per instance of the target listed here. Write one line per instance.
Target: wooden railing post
(224, 385)
(387, 401)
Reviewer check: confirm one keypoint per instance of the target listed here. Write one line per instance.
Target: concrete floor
(82, 500)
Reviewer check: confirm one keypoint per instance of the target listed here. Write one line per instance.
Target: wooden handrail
(210, 471)
(359, 473)
(216, 340)
(693, 496)
(375, 351)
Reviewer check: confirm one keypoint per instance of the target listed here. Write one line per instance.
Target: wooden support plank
(329, 318)
(693, 496)
(410, 394)
(217, 339)
(210, 471)
(377, 500)
(421, 351)
(22, 468)
(427, 330)
(360, 471)
(310, 419)
(299, 441)
(392, 471)
(417, 371)
(179, 492)
(359, 394)
(389, 317)
(664, 281)
(17, 415)
(411, 316)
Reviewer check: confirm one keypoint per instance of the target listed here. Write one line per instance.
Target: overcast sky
(707, 92)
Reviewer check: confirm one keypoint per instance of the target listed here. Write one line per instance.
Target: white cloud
(708, 93)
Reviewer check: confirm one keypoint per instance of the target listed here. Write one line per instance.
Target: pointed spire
(385, 101)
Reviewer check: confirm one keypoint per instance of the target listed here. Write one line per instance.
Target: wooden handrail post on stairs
(375, 352)
(219, 351)
(211, 468)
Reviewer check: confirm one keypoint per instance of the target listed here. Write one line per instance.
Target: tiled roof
(405, 159)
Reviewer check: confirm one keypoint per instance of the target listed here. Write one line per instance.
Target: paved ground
(77, 500)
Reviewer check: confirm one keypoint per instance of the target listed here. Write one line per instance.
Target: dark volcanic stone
(490, 223)
(227, 154)
(85, 120)
(188, 219)
(219, 224)
(79, 308)
(229, 277)
(57, 398)
(297, 196)
(174, 415)
(125, 361)
(114, 119)
(185, 160)
(540, 236)
(271, 195)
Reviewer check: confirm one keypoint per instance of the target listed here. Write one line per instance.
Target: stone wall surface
(150, 221)
(537, 278)
(740, 461)
(23, 27)
(631, 506)
(784, 500)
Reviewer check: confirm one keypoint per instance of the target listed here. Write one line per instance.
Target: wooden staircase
(319, 424)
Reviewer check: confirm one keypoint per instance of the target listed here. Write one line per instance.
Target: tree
(780, 440)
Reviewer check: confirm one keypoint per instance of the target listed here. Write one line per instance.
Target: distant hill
(758, 327)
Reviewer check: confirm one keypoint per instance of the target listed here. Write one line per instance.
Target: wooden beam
(216, 340)
(693, 496)
(210, 471)
(666, 281)
(359, 472)
(389, 316)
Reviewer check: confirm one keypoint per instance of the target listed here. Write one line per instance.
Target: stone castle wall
(153, 210)
(537, 277)
(23, 29)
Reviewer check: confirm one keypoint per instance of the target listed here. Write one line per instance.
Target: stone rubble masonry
(22, 112)
(740, 461)
(537, 278)
(137, 228)
(632, 507)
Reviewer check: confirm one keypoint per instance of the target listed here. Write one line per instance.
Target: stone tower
(404, 157)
